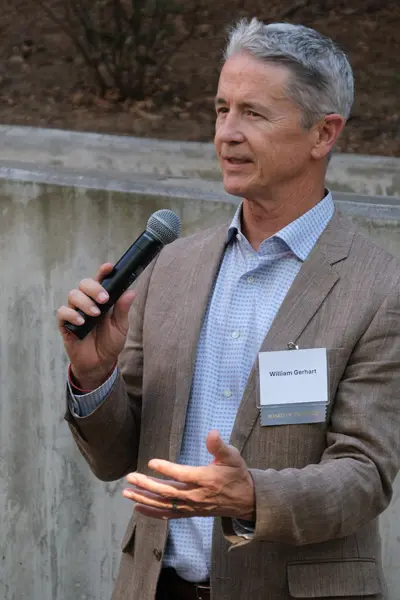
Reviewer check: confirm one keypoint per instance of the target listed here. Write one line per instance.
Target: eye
(222, 110)
(251, 113)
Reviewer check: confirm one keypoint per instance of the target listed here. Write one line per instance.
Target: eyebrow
(251, 105)
(219, 100)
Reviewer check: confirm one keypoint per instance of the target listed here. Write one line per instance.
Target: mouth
(235, 161)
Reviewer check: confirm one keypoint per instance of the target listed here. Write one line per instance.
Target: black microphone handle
(124, 273)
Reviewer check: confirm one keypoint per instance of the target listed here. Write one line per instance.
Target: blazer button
(158, 554)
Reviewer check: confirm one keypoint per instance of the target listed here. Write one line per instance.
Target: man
(297, 503)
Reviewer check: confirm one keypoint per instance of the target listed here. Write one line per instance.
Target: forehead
(246, 79)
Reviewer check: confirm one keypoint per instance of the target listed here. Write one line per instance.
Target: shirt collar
(300, 235)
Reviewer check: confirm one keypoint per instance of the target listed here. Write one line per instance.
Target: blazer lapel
(310, 288)
(198, 272)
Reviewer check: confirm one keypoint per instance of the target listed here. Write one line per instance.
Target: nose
(228, 130)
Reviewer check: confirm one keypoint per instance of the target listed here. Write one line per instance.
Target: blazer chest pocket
(334, 579)
(127, 540)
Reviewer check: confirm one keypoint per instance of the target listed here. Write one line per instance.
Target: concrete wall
(60, 528)
(129, 157)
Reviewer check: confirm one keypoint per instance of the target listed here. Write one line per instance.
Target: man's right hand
(93, 358)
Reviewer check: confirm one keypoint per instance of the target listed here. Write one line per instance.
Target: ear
(327, 132)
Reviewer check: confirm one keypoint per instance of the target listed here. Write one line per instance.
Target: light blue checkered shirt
(247, 295)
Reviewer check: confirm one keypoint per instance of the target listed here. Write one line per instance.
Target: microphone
(163, 227)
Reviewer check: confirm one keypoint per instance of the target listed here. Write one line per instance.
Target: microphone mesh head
(165, 225)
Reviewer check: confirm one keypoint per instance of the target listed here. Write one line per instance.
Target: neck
(263, 217)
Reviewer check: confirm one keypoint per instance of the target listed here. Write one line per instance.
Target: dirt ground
(45, 83)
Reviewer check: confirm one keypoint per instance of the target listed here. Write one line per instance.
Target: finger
(146, 498)
(153, 513)
(224, 454)
(65, 313)
(183, 473)
(156, 513)
(159, 513)
(166, 489)
(78, 299)
(155, 501)
(103, 270)
(94, 289)
(120, 314)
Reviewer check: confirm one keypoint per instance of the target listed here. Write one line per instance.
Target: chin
(235, 191)
(235, 188)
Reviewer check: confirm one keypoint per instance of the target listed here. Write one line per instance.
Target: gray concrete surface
(60, 527)
(130, 157)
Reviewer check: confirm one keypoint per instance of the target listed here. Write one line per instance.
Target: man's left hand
(224, 488)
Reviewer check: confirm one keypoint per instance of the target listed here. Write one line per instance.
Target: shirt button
(238, 237)
(250, 279)
(227, 393)
(235, 334)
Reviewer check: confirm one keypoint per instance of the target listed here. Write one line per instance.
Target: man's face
(260, 142)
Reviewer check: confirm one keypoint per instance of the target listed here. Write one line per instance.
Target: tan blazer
(319, 487)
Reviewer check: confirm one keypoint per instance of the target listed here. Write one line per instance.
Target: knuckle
(83, 283)
(195, 497)
(213, 485)
(120, 328)
(214, 488)
(73, 293)
(61, 312)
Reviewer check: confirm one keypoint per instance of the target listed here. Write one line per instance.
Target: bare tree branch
(69, 31)
(126, 50)
(168, 55)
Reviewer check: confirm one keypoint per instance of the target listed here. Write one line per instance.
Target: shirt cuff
(82, 405)
(245, 529)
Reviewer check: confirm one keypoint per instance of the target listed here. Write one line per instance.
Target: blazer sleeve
(352, 484)
(108, 438)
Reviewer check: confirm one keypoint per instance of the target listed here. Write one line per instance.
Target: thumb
(224, 454)
(121, 310)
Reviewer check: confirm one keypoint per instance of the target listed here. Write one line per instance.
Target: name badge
(293, 386)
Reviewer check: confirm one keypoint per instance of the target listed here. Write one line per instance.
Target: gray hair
(322, 79)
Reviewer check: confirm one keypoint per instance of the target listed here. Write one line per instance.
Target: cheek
(281, 152)
(267, 158)
(217, 129)
(217, 143)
